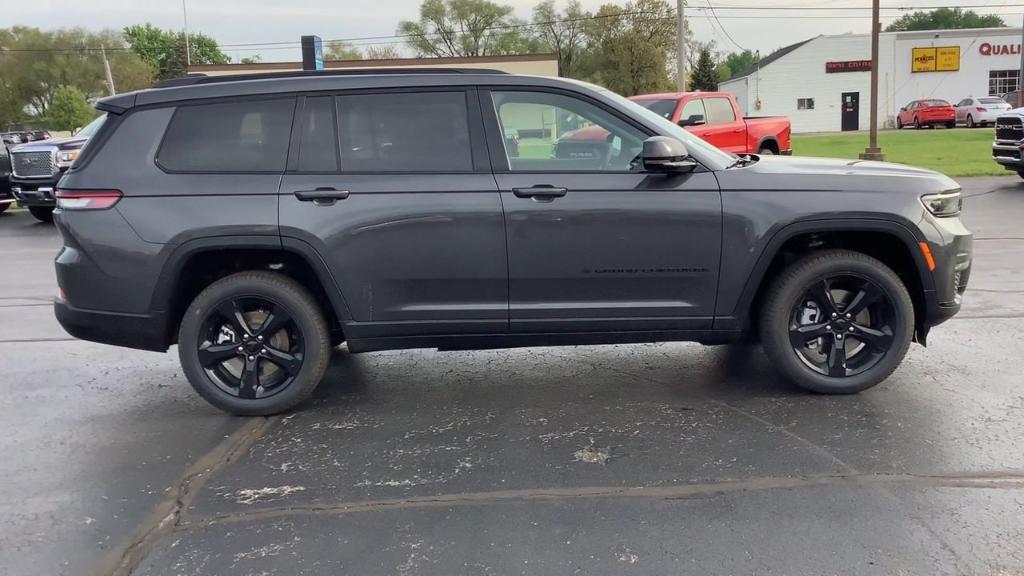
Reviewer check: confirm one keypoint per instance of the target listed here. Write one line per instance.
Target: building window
(805, 103)
(1002, 81)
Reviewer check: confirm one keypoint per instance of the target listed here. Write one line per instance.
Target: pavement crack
(1006, 480)
(167, 515)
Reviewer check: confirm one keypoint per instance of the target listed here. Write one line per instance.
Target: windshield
(663, 108)
(91, 127)
(692, 142)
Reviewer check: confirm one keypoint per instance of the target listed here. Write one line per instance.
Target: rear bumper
(140, 331)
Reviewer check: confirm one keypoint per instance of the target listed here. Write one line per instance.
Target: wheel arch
(893, 243)
(769, 142)
(195, 264)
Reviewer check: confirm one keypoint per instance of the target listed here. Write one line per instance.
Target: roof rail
(193, 79)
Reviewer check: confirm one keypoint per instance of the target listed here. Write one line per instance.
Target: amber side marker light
(927, 253)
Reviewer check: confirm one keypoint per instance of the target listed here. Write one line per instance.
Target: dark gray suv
(258, 221)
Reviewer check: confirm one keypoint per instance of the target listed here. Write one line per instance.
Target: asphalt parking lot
(646, 459)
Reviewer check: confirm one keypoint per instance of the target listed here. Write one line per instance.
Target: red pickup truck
(713, 116)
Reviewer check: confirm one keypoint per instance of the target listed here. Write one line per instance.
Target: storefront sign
(848, 66)
(987, 49)
(936, 59)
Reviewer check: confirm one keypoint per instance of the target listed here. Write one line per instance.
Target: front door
(595, 244)
(402, 205)
(724, 129)
(851, 111)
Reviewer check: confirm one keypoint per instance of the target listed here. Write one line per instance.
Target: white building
(824, 83)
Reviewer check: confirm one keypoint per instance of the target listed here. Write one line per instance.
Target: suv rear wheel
(254, 343)
(837, 322)
(42, 213)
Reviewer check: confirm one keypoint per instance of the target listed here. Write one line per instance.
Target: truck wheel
(837, 322)
(766, 152)
(42, 213)
(254, 343)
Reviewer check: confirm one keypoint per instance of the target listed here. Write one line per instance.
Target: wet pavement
(669, 458)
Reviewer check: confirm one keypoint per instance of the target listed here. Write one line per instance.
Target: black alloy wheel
(254, 343)
(251, 347)
(842, 326)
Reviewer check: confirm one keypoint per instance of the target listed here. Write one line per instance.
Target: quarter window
(719, 111)
(410, 132)
(557, 133)
(240, 136)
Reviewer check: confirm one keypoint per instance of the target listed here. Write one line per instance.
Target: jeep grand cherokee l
(257, 221)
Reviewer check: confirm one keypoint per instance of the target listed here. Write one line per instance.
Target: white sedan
(980, 111)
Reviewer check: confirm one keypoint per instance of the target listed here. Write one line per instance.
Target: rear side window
(318, 146)
(240, 136)
(412, 132)
(719, 111)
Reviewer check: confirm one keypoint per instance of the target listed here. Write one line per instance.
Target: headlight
(66, 157)
(944, 204)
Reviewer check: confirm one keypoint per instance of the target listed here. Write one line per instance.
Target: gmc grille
(34, 164)
(1009, 129)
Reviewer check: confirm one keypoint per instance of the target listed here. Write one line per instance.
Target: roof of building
(770, 58)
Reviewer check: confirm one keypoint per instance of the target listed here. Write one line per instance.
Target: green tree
(165, 50)
(341, 50)
(466, 28)
(256, 59)
(562, 33)
(630, 46)
(69, 109)
(382, 52)
(35, 63)
(704, 76)
(944, 19)
(737, 62)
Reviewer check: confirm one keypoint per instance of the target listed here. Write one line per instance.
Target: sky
(233, 22)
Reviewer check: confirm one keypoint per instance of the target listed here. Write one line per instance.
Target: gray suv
(258, 221)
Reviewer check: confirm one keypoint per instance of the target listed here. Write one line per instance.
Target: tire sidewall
(299, 304)
(776, 318)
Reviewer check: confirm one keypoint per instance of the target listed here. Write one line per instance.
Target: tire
(970, 121)
(1020, 173)
(4, 207)
(860, 364)
(766, 152)
(899, 123)
(42, 213)
(303, 339)
(917, 123)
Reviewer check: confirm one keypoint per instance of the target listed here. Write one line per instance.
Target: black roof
(769, 59)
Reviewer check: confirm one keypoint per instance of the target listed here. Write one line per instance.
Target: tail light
(980, 109)
(87, 199)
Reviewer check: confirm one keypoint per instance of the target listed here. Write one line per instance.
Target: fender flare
(903, 231)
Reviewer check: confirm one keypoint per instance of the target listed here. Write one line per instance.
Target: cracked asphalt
(646, 459)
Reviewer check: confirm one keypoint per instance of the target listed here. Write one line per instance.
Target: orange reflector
(927, 252)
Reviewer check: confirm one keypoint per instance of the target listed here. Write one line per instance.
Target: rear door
(594, 243)
(394, 190)
(723, 129)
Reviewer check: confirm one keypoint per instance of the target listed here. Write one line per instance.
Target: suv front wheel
(254, 343)
(837, 322)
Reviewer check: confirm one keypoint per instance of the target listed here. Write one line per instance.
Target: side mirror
(693, 120)
(668, 155)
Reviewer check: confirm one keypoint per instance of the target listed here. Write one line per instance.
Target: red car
(713, 116)
(931, 112)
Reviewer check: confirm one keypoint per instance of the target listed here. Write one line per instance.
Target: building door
(851, 111)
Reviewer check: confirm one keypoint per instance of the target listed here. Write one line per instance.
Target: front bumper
(1008, 154)
(140, 331)
(36, 192)
(952, 250)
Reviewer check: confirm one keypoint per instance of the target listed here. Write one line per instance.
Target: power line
(724, 31)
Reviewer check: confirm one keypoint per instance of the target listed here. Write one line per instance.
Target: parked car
(1006, 148)
(12, 138)
(392, 217)
(1013, 99)
(712, 116)
(931, 112)
(38, 166)
(5, 179)
(981, 111)
(40, 135)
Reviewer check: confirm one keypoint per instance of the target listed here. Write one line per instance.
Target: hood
(796, 173)
(1014, 112)
(69, 143)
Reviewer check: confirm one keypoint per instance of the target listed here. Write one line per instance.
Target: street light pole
(188, 48)
(873, 152)
(680, 47)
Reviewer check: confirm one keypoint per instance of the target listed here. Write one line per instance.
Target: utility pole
(681, 47)
(106, 68)
(1020, 73)
(873, 152)
(188, 49)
